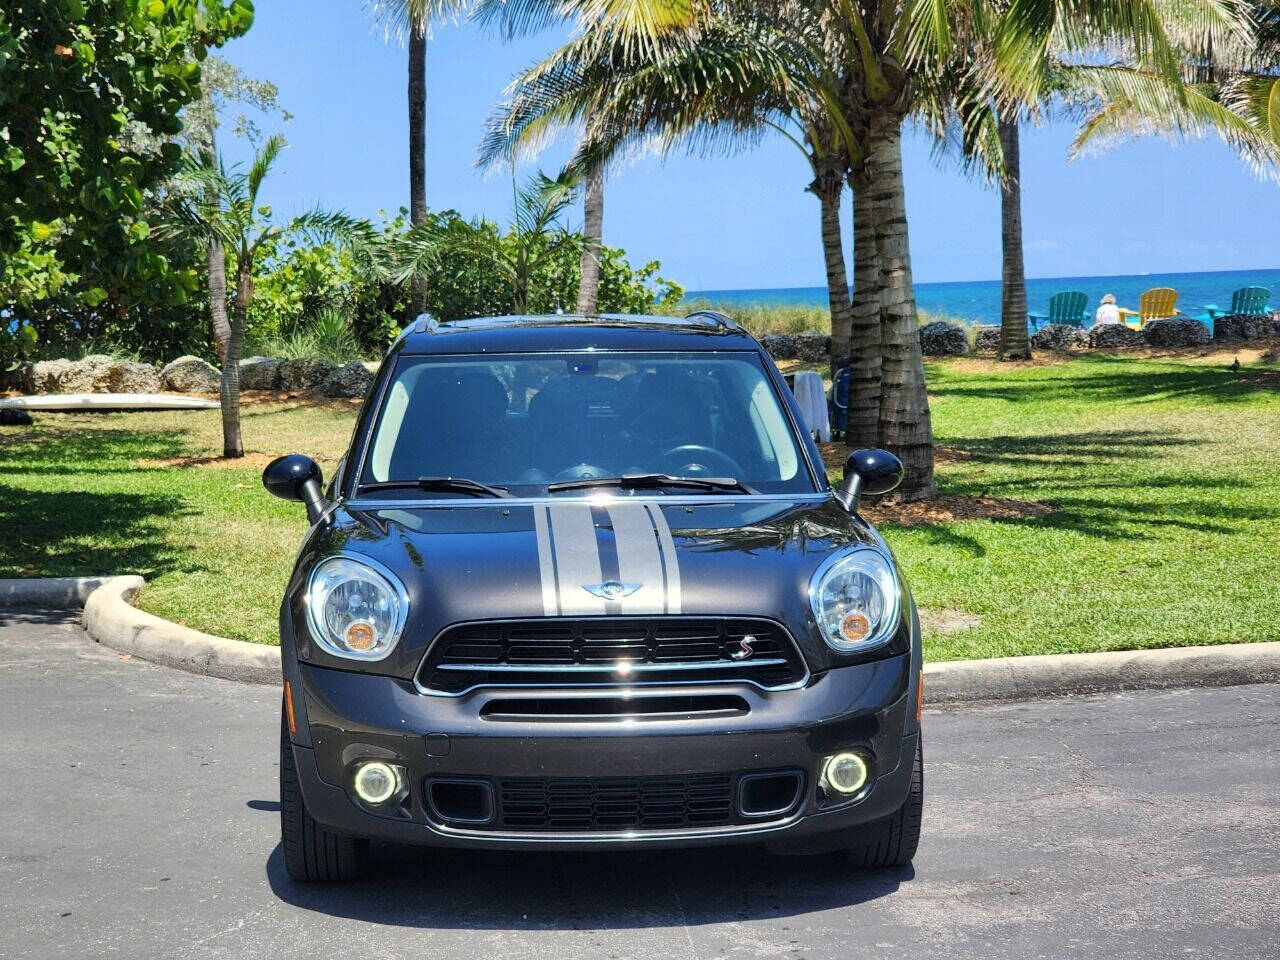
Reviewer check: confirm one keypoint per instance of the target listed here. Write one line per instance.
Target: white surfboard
(72, 402)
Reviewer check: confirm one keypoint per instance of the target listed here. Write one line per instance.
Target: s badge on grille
(611, 589)
(745, 648)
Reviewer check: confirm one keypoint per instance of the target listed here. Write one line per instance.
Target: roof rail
(426, 323)
(720, 319)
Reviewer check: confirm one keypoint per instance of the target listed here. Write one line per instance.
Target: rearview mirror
(869, 472)
(296, 477)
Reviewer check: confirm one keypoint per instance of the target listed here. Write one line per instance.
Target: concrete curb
(49, 592)
(113, 621)
(1059, 675)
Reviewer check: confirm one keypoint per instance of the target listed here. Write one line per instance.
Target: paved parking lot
(138, 818)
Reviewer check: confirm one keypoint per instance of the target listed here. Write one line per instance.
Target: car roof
(701, 330)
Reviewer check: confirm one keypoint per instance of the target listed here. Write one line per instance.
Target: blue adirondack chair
(1247, 301)
(839, 404)
(1067, 307)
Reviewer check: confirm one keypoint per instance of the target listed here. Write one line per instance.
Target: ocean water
(978, 301)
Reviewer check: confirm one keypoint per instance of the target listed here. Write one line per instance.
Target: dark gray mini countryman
(582, 582)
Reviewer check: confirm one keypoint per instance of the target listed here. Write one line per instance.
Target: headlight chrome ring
(356, 607)
(856, 599)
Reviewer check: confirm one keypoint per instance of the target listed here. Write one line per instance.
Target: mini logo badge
(611, 589)
(746, 647)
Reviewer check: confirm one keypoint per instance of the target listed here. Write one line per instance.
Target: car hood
(487, 560)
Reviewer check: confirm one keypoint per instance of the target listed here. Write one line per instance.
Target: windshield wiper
(448, 484)
(639, 481)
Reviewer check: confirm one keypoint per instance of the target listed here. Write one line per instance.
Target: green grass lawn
(1163, 475)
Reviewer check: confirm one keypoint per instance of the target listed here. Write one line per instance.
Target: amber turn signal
(288, 707)
(360, 636)
(855, 626)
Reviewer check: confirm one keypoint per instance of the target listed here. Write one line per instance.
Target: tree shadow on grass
(1116, 379)
(75, 533)
(1058, 450)
(73, 451)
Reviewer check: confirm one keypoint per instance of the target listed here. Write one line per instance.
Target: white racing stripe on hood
(569, 559)
(576, 559)
(639, 559)
(670, 560)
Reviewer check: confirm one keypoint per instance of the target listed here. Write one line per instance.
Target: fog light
(845, 773)
(376, 782)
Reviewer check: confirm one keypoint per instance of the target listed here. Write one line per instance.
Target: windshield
(522, 422)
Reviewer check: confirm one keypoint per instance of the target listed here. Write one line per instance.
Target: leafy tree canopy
(77, 78)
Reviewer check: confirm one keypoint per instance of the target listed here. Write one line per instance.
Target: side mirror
(296, 477)
(869, 472)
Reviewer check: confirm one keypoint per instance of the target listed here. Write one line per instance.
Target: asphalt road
(138, 818)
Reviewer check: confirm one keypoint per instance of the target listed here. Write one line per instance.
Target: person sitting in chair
(1108, 312)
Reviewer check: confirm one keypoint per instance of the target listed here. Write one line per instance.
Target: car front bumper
(350, 717)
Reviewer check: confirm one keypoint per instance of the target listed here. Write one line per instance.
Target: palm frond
(261, 166)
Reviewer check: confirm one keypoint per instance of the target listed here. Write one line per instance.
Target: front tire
(312, 854)
(893, 841)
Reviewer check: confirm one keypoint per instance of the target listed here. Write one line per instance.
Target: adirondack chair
(1247, 301)
(1154, 304)
(839, 403)
(1066, 307)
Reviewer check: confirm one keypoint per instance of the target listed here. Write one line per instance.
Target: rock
(1106, 335)
(14, 418)
(1242, 327)
(44, 376)
(987, 338)
(1175, 332)
(191, 375)
(941, 339)
(96, 373)
(260, 373)
(349, 380)
(1060, 336)
(809, 346)
(305, 374)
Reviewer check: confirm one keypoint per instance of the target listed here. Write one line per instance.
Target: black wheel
(312, 854)
(892, 842)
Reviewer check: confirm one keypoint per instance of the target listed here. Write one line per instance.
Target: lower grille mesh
(614, 804)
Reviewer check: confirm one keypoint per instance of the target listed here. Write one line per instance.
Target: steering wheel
(583, 471)
(692, 466)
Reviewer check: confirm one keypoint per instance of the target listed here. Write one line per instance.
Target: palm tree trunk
(593, 232)
(905, 427)
(1014, 342)
(418, 145)
(828, 186)
(217, 266)
(864, 352)
(229, 392)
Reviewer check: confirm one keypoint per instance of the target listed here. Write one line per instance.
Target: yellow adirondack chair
(1154, 304)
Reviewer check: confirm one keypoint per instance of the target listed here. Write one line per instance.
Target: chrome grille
(610, 651)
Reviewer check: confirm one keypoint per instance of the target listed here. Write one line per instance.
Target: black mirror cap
(288, 477)
(879, 470)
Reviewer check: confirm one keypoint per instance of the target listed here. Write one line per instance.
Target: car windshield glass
(522, 422)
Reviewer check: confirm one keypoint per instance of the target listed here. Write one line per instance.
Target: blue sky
(742, 221)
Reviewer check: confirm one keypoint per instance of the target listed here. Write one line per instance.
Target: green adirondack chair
(1247, 301)
(1067, 307)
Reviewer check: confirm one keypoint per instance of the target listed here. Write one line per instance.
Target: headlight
(356, 608)
(855, 600)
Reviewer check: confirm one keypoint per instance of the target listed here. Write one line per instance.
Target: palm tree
(213, 203)
(711, 86)
(883, 56)
(413, 19)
